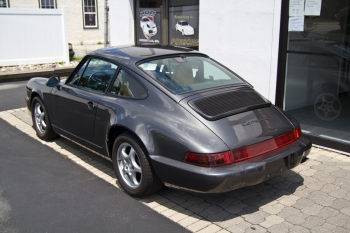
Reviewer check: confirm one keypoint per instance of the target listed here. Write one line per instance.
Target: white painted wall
(244, 36)
(121, 22)
(33, 36)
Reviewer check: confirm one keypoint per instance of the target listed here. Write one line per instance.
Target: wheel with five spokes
(41, 120)
(132, 167)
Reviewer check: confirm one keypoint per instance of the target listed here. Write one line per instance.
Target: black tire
(134, 171)
(41, 121)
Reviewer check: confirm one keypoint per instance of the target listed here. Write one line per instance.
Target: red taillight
(234, 156)
(208, 160)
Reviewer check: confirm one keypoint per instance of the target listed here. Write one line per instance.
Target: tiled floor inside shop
(334, 125)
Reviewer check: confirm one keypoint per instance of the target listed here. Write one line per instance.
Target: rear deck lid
(239, 116)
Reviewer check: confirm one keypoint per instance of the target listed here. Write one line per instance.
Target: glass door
(317, 75)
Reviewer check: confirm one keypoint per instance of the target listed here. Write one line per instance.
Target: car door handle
(91, 105)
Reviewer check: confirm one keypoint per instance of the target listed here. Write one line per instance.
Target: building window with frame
(4, 4)
(90, 14)
(47, 4)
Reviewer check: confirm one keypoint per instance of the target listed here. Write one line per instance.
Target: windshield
(184, 74)
(184, 23)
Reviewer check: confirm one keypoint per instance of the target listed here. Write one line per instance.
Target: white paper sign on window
(296, 24)
(296, 7)
(313, 7)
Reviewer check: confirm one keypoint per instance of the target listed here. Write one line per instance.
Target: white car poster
(148, 27)
(183, 25)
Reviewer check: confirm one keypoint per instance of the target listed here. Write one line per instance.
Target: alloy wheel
(39, 115)
(129, 165)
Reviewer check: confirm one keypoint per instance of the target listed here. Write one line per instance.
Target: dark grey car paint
(169, 128)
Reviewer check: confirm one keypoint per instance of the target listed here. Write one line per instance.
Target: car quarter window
(128, 86)
(95, 74)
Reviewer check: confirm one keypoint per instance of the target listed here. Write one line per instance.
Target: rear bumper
(180, 175)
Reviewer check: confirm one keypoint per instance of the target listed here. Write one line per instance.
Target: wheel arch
(115, 131)
(33, 95)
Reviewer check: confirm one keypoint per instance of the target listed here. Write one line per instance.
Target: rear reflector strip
(234, 156)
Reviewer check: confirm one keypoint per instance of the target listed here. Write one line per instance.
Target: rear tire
(132, 167)
(41, 122)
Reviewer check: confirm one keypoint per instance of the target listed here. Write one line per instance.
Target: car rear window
(184, 74)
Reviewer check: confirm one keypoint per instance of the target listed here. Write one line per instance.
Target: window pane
(126, 85)
(77, 76)
(90, 13)
(3, 3)
(150, 3)
(90, 19)
(317, 77)
(47, 4)
(97, 75)
(181, 74)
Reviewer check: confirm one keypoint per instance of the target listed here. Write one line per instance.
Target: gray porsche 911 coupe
(168, 116)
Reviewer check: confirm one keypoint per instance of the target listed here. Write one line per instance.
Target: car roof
(131, 54)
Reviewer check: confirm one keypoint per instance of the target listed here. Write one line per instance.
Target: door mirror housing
(53, 81)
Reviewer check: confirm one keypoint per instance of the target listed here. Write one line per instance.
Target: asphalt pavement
(12, 95)
(42, 191)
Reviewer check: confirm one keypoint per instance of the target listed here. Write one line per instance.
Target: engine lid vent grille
(229, 103)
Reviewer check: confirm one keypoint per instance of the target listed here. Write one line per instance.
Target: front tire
(132, 167)
(41, 122)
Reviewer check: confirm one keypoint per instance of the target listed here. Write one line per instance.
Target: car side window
(77, 76)
(126, 85)
(97, 75)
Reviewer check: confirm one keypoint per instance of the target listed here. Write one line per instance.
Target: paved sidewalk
(313, 197)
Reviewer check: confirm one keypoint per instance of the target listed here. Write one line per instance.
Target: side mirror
(53, 81)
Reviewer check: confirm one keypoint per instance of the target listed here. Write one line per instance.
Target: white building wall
(24, 4)
(76, 32)
(121, 22)
(74, 13)
(244, 36)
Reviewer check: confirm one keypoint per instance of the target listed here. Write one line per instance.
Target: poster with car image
(183, 25)
(148, 27)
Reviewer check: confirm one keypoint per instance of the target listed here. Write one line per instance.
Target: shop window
(90, 14)
(150, 3)
(148, 21)
(4, 4)
(317, 76)
(47, 4)
(184, 23)
(167, 22)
